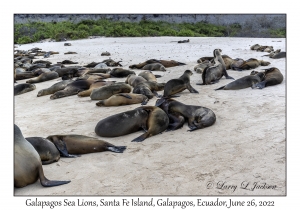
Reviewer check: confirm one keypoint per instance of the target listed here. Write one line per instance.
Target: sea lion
(273, 76)
(146, 117)
(69, 52)
(165, 63)
(27, 163)
(133, 80)
(255, 47)
(120, 72)
(46, 149)
(226, 59)
(184, 41)
(44, 77)
(67, 44)
(79, 144)
(39, 71)
(67, 70)
(244, 82)
(141, 65)
(236, 63)
(174, 86)
(149, 76)
(54, 88)
(93, 64)
(67, 62)
(154, 67)
(24, 75)
(213, 74)
(111, 62)
(121, 99)
(197, 116)
(93, 86)
(48, 63)
(108, 90)
(23, 88)
(73, 88)
(105, 54)
(201, 66)
(279, 55)
(148, 88)
(252, 63)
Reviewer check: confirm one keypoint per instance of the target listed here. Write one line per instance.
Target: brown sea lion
(236, 63)
(252, 63)
(201, 66)
(23, 88)
(226, 59)
(198, 117)
(44, 77)
(149, 76)
(46, 149)
(213, 74)
(273, 76)
(121, 99)
(105, 54)
(79, 144)
(93, 86)
(165, 63)
(108, 90)
(27, 163)
(244, 82)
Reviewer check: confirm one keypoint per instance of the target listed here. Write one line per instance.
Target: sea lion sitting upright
(79, 144)
(121, 99)
(27, 163)
(154, 67)
(213, 74)
(46, 149)
(198, 117)
(44, 77)
(272, 77)
(174, 86)
(23, 88)
(244, 82)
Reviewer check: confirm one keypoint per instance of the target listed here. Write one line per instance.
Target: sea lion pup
(93, 86)
(23, 88)
(148, 88)
(46, 149)
(79, 144)
(111, 62)
(149, 76)
(107, 91)
(54, 88)
(133, 80)
(244, 82)
(73, 88)
(27, 163)
(121, 99)
(213, 74)
(154, 67)
(197, 116)
(105, 54)
(252, 63)
(44, 77)
(236, 63)
(201, 66)
(255, 47)
(174, 86)
(272, 77)
(184, 41)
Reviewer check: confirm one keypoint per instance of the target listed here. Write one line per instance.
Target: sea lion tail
(220, 88)
(117, 149)
(49, 183)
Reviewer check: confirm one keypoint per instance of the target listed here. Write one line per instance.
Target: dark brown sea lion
(105, 54)
(165, 63)
(111, 62)
(273, 76)
(244, 82)
(44, 77)
(146, 117)
(93, 86)
(27, 163)
(227, 60)
(213, 74)
(197, 116)
(121, 99)
(66, 53)
(92, 65)
(79, 144)
(108, 90)
(23, 88)
(54, 88)
(120, 72)
(68, 62)
(252, 63)
(184, 41)
(174, 86)
(46, 149)
(73, 88)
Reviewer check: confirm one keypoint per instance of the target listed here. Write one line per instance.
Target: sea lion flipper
(62, 148)
(220, 88)
(191, 89)
(140, 138)
(49, 183)
(117, 149)
(229, 77)
(125, 95)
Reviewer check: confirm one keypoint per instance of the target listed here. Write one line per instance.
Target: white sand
(246, 144)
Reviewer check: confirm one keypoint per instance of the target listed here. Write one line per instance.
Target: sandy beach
(246, 145)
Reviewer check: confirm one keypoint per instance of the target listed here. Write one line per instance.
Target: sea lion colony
(89, 80)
